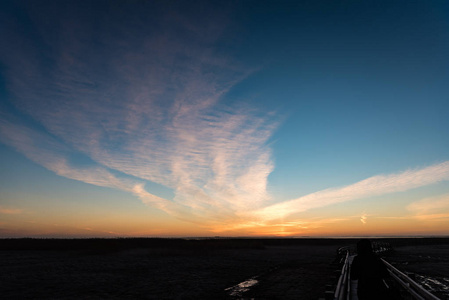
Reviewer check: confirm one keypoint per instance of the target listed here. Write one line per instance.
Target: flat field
(175, 270)
(182, 269)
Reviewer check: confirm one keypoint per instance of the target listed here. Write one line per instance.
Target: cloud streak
(373, 186)
(363, 218)
(433, 208)
(430, 205)
(141, 101)
(10, 211)
(145, 109)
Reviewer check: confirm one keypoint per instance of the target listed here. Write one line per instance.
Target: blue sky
(158, 118)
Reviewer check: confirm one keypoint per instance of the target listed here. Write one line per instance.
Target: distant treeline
(118, 244)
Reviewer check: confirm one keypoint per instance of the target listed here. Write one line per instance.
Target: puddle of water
(434, 284)
(238, 289)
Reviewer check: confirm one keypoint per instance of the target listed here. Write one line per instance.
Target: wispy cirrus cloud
(145, 108)
(430, 205)
(373, 186)
(142, 100)
(10, 211)
(433, 208)
(363, 218)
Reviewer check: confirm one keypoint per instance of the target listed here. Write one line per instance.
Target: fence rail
(343, 289)
(413, 288)
(343, 285)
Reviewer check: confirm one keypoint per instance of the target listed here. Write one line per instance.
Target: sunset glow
(253, 118)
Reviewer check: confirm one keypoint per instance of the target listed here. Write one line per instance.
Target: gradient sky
(229, 118)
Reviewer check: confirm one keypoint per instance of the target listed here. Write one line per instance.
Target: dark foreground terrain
(181, 269)
(428, 264)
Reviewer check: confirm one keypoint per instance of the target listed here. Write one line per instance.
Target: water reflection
(434, 284)
(242, 287)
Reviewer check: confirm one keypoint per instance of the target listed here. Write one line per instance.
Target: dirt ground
(287, 272)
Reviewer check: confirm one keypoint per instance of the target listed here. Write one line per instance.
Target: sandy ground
(289, 271)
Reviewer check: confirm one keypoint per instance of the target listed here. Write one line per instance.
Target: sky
(224, 118)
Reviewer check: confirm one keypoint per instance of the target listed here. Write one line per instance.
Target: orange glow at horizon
(374, 227)
(429, 216)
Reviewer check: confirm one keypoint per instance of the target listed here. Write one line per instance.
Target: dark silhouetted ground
(181, 269)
